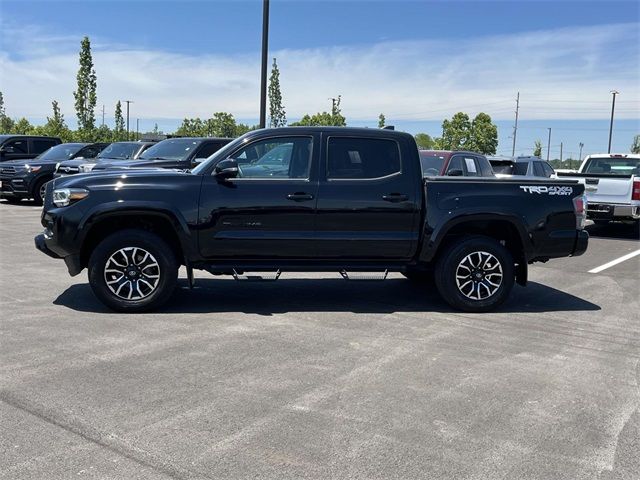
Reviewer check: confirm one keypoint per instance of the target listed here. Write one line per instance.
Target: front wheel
(475, 274)
(39, 191)
(133, 271)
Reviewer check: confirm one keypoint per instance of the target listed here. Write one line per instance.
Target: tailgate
(608, 189)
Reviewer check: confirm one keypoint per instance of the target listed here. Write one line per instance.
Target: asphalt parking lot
(320, 378)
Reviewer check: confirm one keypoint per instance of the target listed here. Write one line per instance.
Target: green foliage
(537, 151)
(381, 120)
(326, 119)
(424, 141)
(484, 135)
(85, 95)
(277, 114)
(222, 124)
(119, 133)
(479, 135)
(55, 126)
(635, 146)
(22, 127)
(6, 124)
(456, 132)
(104, 134)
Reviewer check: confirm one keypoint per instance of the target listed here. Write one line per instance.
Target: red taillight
(635, 194)
(580, 207)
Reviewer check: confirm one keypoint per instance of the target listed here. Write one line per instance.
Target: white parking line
(615, 262)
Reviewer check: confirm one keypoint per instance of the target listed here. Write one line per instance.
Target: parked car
(117, 151)
(353, 200)
(612, 184)
(526, 166)
(454, 164)
(180, 153)
(24, 147)
(19, 179)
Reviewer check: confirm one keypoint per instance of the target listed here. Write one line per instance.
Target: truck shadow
(326, 295)
(617, 231)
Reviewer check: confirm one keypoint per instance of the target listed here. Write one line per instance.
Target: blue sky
(418, 62)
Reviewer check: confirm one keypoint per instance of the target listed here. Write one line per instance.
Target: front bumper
(72, 262)
(14, 187)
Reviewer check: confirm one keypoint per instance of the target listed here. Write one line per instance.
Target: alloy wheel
(479, 275)
(132, 273)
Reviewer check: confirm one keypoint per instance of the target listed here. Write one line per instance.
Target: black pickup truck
(308, 199)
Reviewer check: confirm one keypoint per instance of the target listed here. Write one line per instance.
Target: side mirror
(226, 169)
(198, 161)
(455, 172)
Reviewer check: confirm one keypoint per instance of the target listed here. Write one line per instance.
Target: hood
(29, 161)
(108, 163)
(116, 177)
(77, 163)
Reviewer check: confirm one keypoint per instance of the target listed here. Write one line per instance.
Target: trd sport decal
(547, 190)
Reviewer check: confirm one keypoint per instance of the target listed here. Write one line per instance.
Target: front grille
(67, 170)
(7, 170)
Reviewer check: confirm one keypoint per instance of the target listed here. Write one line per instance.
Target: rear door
(367, 199)
(16, 149)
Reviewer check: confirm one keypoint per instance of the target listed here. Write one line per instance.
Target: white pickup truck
(612, 186)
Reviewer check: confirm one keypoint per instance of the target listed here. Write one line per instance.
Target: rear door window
(362, 158)
(18, 146)
(520, 168)
(548, 170)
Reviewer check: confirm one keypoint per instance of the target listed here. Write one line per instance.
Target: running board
(364, 276)
(254, 277)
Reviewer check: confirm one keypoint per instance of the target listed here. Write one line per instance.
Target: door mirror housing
(455, 172)
(226, 169)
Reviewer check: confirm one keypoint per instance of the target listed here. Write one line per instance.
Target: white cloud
(563, 73)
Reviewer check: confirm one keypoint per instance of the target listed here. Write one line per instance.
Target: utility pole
(560, 153)
(515, 127)
(128, 102)
(580, 154)
(613, 107)
(549, 143)
(103, 114)
(137, 129)
(265, 51)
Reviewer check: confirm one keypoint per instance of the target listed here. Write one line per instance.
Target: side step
(364, 276)
(254, 277)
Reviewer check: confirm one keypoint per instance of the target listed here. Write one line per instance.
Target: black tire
(460, 257)
(419, 276)
(38, 193)
(132, 245)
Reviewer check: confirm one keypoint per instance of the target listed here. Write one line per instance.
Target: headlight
(86, 167)
(32, 169)
(66, 196)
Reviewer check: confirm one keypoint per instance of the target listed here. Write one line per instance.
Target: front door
(368, 202)
(268, 211)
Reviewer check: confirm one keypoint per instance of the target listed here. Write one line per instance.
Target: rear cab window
(362, 158)
(613, 166)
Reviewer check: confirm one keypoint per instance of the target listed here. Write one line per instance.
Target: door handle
(395, 197)
(300, 196)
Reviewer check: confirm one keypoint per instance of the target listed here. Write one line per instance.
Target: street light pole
(128, 102)
(265, 51)
(613, 107)
(515, 127)
(549, 143)
(580, 154)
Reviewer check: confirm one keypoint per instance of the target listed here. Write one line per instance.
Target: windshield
(222, 153)
(613, 166)
(63, 151)
(171, 149)
(120, 151)
(431, 164)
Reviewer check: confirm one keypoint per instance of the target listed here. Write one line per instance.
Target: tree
(381, 120)
(6, 124)
(222, 124)
(277, 115)
(537, 151)
(424, 141)
(56, 126)
(85, 95)
(119, 133)
(326, 119)
(22, 127)
(635, 146)
(456, 132)
(483, 137)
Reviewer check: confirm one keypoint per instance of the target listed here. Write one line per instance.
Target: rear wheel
(475, 274)
(133, 271)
